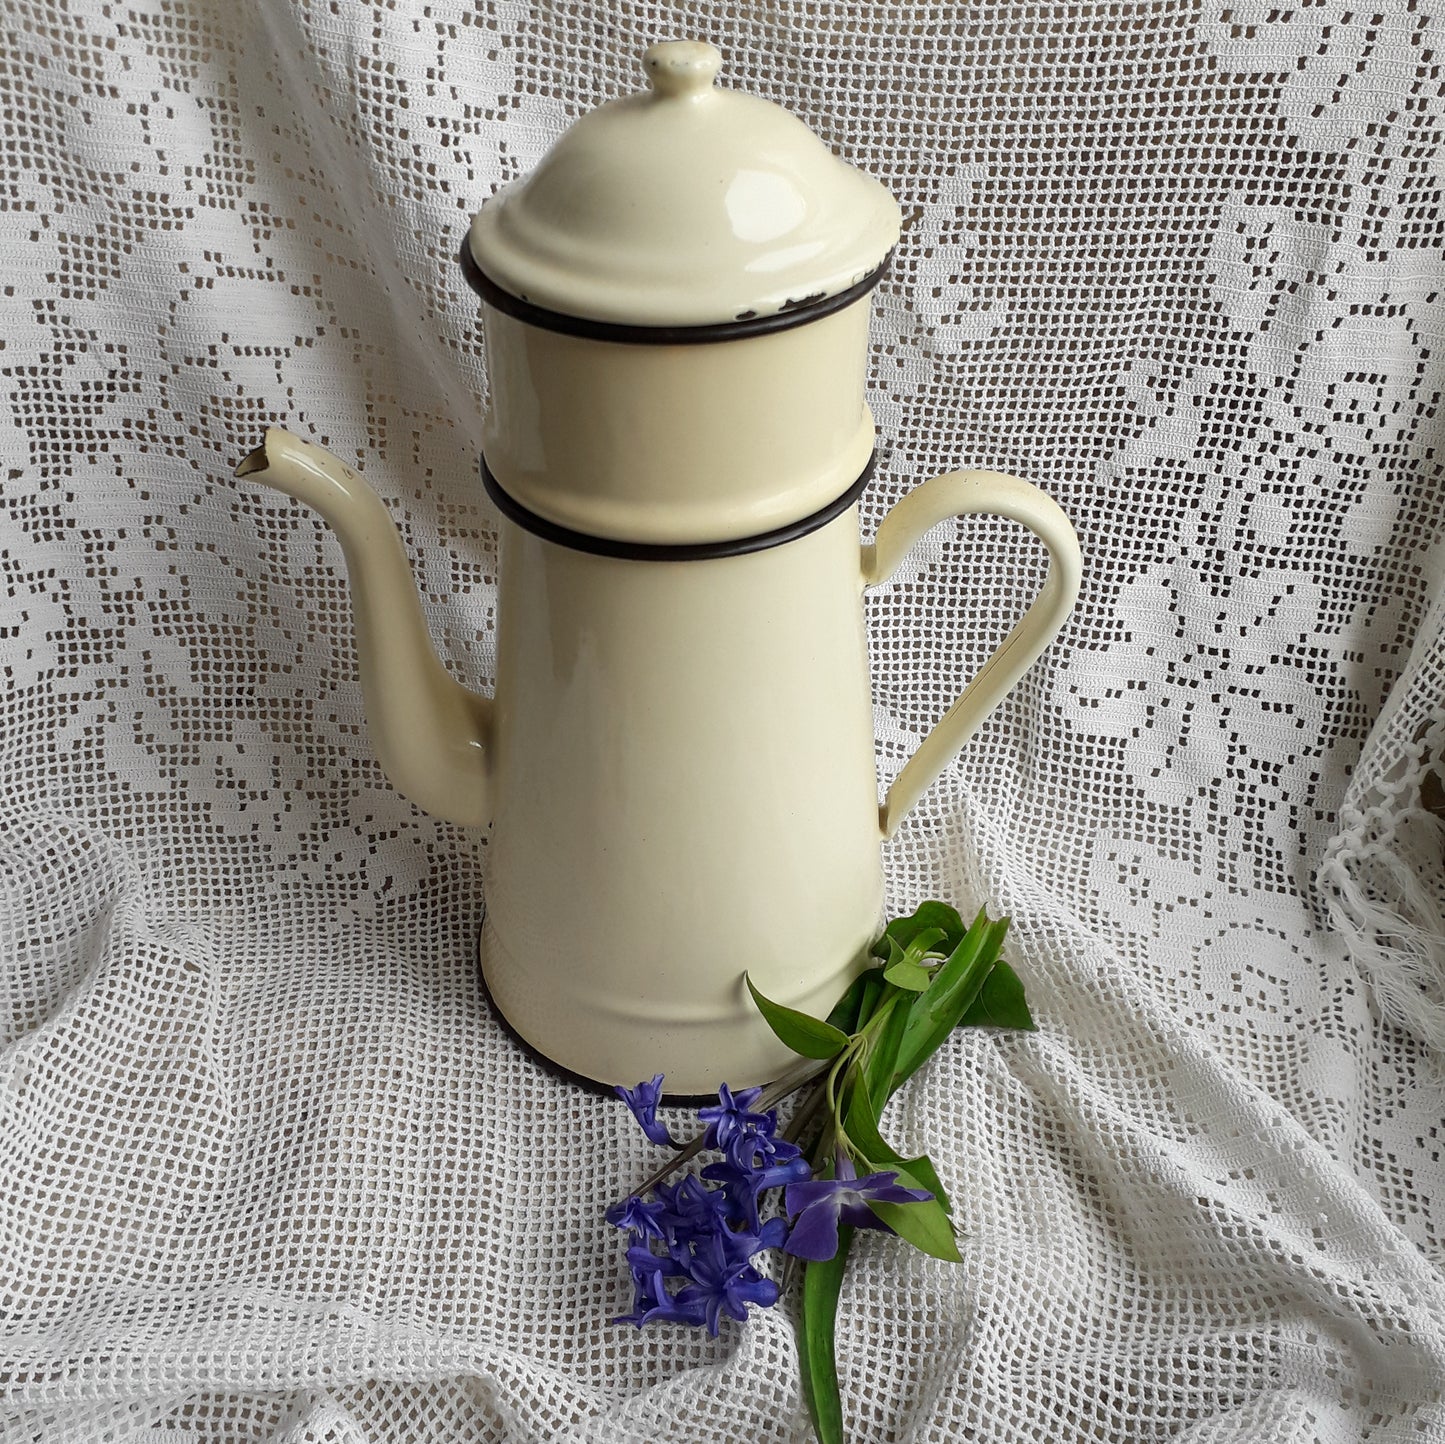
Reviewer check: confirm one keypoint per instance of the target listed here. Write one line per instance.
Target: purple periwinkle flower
(818, 1207)
(643, 1101)
(731, 1113)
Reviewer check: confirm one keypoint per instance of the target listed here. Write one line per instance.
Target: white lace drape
(267, 1168)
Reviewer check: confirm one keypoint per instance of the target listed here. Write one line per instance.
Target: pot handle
(964, 493)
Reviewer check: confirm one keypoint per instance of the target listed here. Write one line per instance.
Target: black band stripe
(601, 546)
(796, 315)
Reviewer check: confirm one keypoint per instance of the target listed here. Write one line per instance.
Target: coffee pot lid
(684, 205)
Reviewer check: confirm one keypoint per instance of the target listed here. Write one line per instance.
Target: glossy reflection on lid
(763, 206)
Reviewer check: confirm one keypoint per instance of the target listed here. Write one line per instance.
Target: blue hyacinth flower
(643, 1101)
(742, 1186)
(723, 1281)
(730, 1114)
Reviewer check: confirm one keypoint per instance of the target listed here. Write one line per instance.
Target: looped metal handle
(966, 493)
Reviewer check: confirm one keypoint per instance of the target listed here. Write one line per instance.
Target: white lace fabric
(269, 1170)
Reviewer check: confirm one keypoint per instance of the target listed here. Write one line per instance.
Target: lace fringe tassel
(1386, 897)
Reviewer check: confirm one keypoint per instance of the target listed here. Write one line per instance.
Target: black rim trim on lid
(603, 546)
(796, 313)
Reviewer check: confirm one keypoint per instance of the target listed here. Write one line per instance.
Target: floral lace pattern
(268, 1169)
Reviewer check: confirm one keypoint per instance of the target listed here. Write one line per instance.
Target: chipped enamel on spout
(430, 733)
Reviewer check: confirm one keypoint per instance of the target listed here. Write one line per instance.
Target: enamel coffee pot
(677, 770)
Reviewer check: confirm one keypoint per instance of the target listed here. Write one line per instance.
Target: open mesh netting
(268, 1168)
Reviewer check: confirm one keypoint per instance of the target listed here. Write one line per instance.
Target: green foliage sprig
(933, 975)
(692, 1246)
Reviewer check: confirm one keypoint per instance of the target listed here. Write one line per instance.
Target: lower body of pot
(684, 790)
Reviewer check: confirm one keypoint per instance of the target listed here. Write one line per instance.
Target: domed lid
(684, 205)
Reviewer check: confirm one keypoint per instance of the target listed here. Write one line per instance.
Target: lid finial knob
(682, 67)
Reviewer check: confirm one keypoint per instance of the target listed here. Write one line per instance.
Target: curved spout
(429, 731)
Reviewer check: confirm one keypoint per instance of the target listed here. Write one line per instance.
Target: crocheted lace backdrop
(268, 1170)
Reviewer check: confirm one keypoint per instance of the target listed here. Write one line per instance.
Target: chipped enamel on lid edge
(684, 205)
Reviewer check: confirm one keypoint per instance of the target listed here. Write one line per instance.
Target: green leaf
(880, 1155)
(956, 983)
(923, 1170)
(887, 948)
(905, 973)
(861, 1126)
(1000, 1003)
(881, 1064)
(906, 968)
(929, 915)
(844, 1016)
(924, 1225)
(811, 1037)
(926, 942)
(822, 1283)
(873, 990)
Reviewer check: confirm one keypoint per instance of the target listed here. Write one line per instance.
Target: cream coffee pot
(677, 769)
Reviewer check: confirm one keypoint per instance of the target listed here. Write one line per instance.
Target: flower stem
(685, 1154)
(792, 1080)
(798, 1123)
